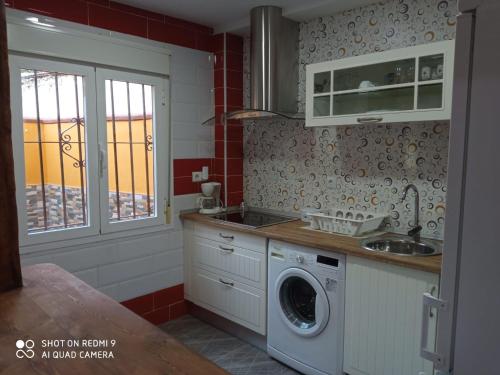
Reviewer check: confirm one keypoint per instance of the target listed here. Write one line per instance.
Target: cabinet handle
(227, 250)
(226, 237)
(367, 120)
(226, 282)
(431, 292)
(429, 301)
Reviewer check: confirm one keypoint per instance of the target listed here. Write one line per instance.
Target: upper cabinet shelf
(407, 84)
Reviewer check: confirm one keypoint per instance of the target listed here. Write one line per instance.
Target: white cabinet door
(383, 318)
(232, 238)
(233, 300)
(407, 84)
(244, 265)
(226, 273)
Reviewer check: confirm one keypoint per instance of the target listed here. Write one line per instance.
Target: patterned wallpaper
(286, 166)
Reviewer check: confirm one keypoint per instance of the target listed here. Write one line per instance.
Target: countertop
(53, 304)
(294, 232)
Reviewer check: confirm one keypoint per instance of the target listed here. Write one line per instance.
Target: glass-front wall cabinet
(409, 84)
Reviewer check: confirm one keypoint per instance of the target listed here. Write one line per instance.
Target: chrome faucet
(415, 231)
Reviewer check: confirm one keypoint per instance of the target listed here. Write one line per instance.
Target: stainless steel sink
(402, 246)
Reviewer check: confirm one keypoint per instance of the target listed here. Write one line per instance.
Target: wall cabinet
(408, 84)
(226, 273)
(383, 318)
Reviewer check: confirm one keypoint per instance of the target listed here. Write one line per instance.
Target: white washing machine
(306, 308)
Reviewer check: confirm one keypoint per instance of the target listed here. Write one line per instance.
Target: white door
(468, 329)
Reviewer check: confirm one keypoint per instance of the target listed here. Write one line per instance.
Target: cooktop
(253, 219)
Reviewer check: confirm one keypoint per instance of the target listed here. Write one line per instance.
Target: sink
(401, 246)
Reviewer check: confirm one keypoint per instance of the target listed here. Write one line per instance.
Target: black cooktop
(253, 218)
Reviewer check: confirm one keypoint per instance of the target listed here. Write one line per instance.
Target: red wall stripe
(183, 178)
(160, 306)
(234, 82)
(122, 18)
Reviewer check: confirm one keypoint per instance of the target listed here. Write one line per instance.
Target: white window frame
(160, 149)
(86, 45)
(89, 113)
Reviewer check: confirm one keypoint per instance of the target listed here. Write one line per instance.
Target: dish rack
(351, 223)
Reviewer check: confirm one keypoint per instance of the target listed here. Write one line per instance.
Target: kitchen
(279, 188)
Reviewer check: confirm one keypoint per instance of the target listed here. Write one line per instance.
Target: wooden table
(54, 304)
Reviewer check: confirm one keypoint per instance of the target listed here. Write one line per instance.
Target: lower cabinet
(231, 299)
(226, 273)
(383, 318)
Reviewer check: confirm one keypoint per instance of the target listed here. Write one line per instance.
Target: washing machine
(306, 293)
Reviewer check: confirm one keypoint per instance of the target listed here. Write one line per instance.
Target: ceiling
(233, 15)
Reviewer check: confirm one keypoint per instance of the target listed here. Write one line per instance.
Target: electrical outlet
(197, 176)
(331, 182)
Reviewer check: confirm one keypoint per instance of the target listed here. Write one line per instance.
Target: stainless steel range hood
(274, 58)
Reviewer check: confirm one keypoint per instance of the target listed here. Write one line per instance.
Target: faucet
(415, 231)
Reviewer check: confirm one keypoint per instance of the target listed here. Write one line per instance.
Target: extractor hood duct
(274, 58)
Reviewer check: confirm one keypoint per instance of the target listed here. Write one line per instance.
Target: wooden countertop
(293, 232)
(54, 304)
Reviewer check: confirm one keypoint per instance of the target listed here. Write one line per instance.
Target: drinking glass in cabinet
(397, 99)
(374, 75)
(431, 67)
(321, 106)
(322, 82)
(430, 96)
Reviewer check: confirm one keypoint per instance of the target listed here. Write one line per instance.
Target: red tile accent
(204, 41)
(76, 11)
(234, 43)
(136, 11)
(140, 305)
(234, 199)
(234, 97)
(116, 16)
(185, 167)
(100, 2)
(188, 25)
(169, 33)
(234, 79)
(218, 43)
(160, 306)
(117, 20)
(159, 316)
(234, 132)
(234, 166)
(234, 61)
(185, 185)
(234, 149)
(178, 309)
(169, 296)
(234, 183)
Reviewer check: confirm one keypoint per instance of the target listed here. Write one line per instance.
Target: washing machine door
(302, 302)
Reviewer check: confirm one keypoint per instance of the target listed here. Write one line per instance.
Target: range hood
(274, 58)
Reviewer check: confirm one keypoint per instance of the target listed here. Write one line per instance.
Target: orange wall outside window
(51, 156)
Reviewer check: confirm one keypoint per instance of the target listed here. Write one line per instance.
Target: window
(86, 150)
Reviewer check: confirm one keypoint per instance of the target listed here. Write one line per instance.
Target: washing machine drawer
(231, 299)
(240, 264)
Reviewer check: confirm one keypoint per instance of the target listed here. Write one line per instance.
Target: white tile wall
(192, 101)
(129, 267)
(133, 266)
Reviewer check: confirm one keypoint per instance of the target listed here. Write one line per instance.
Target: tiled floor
(235, 356)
